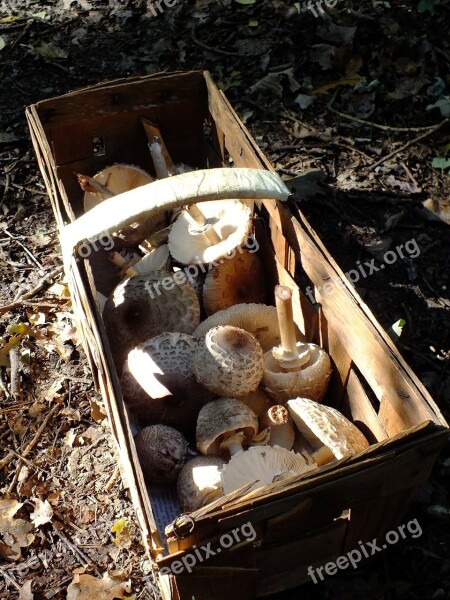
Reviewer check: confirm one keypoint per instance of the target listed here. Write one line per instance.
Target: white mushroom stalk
(294, 368)
(167, 194)
(291, 355)
(280, 427)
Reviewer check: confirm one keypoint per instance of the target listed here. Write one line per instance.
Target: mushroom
(322, 426)
(257, 400)
(157, 259)
(235, 280)
(143, 203)
(199, 482)
(117, 179)
(228, 360)
(262, 464)
(258, 319)
(224, 425)
(147, 305)
(162, 452)
(158, 384)
(294, 368)
(208, 234)
(276, 423)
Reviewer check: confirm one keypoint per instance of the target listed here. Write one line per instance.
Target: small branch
(30, 254)
(112, 480)
(377, 125)
(29, 447)
(40, 286)
(412, 142)
(14, 359)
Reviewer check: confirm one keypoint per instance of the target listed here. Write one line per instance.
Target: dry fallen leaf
(25, 591)
(43, 512)
(86, 587)
(16, 533)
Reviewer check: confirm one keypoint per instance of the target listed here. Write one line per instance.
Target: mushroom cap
(258, 319)
(232, 221)
(162, 452)
(121, 178)
(221, 417)
(257, 400)
(156, 260)
(118, 178)
(147, 305)
(261, 464)
(228, 361)
(199, 482)
(235, 280)
(310, 381)
(158, 384)
(322, 425)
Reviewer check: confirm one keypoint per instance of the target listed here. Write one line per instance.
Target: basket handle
(168, 194)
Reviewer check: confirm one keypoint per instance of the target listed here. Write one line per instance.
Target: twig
(9, 578)
(85, 560)
(40, 286)
(377, 125)
(29, 447)
(14, 359)
(222, 52)
(30, 254)
(112, 480)
(408, 144)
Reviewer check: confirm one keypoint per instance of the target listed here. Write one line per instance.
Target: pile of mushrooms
(225, 389)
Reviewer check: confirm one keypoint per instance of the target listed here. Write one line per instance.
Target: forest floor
(360, 96)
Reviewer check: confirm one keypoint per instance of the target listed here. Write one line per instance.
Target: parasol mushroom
(224, 425)
(258, 319)
(235, 280)
(322, 426)
(199, 482)
(147, 305)
(294, 368)
(262, 464)
(158, 384)
(228, 360)
(208, 234)
(162, 452)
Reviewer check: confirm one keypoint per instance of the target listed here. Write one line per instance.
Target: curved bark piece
(167, 194)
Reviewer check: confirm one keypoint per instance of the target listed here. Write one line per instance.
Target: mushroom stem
(156, 151)
(291, 355)
(233, 443)
(88, 184)
(170, 193)
(199, 219)
(152, 131)
(276, 415)
(118, 260)
(322, 456)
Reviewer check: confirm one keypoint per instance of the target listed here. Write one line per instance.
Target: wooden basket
(300, 522)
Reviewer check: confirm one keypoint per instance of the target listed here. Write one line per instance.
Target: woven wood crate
(305, 521)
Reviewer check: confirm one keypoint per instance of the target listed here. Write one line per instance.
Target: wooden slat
(370, 348)
(358, 408)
